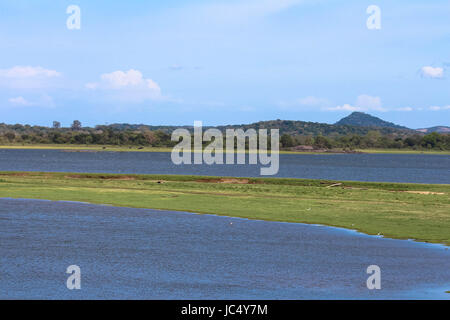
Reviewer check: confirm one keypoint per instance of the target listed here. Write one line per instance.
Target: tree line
(371, 140)
(145, 136)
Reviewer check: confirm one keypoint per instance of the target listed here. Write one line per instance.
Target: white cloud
(129, 85)
(19, 101)
(28, 72)
(366, 102)
(437, 108)
(120, 79)
(345, 107)
(363, 102)
(43, 100)
(434, 73)
(406, 109)
(27, 77)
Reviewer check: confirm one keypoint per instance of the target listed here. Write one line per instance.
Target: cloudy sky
(223, 61)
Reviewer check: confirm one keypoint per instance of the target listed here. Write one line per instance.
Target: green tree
(322, 142)
(286, 141)
(10, 136)
(430, 140)
(76, 125)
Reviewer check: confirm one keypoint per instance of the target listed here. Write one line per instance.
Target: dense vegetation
(100, 135)
(371, 140)
(293, 133)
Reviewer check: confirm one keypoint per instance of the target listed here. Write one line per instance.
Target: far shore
(115, 148)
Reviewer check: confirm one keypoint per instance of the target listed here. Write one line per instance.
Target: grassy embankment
(404, 211)
(404, 151)
(78, 147)
(115, 148)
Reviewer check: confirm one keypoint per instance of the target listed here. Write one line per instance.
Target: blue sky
(224, 62)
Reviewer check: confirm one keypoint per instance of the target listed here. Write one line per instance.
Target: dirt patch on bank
(424, 192)
(101, 177)
(82, 150)
(16, 174)
(225, 180)
(418, 192)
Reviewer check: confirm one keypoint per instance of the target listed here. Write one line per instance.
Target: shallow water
(360, 167)
(146, 254)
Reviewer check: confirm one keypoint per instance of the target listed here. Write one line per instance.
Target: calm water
(361, 167)
(147, 254)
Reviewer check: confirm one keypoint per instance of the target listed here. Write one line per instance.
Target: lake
(129, 253)
(415, 168)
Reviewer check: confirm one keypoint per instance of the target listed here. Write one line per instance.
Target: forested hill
(362, 119)
(292, 127)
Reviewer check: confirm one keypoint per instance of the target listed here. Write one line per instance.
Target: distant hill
(358, 123)
(292, 127)
(438, 129)
(362, 119)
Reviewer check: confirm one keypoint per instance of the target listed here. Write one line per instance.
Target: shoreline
(111, 148)
(393, 210)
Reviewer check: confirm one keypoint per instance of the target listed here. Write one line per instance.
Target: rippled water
(146, 254)
(418, 168)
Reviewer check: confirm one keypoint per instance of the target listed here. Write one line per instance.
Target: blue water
(420, 168)
(128, 253)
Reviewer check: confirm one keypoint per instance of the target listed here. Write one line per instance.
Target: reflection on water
(147, 254)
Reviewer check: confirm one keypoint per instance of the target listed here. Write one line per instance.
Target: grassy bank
(78, 147)
(403, 151)
(115, 148)
(402, 211)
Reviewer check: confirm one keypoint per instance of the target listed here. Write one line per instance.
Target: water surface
(416, 168)
(128, 253)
